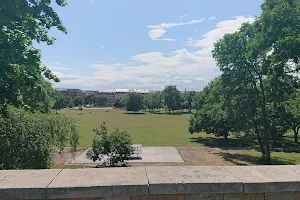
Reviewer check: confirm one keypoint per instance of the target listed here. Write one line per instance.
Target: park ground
(163, 129)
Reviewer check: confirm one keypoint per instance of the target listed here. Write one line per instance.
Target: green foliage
(78, 101)
(212, 116)
(172, 98)
(134, 102)
(292, 114)
(90, 99)
(61, 100)
(27, 139)
(115, 145)
(119, 102)
(259, 74)
(101, 100)
(187, 100)
(152, 101)
(22, 77)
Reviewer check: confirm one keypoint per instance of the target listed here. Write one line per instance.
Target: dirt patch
(192, 155)
(65, 156)
(202, 156)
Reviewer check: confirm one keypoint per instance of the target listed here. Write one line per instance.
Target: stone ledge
(149, 181)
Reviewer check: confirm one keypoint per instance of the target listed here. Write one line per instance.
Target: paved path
(150, 154)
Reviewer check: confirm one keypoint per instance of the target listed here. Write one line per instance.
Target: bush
(27, 139)
(116, 146)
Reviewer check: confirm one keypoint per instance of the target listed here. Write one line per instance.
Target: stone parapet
(154, 183)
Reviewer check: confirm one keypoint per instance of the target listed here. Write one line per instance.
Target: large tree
(172, 98)
(213, 114)
(22, 76)
(134, 102)
(78, 101)
(258, 66)
(187, 98)
(90, 99)
(61, 100)
(101, 100)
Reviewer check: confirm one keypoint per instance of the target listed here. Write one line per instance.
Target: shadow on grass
(134, 113)
(171, 113)
(281, 145)
(232, 143)
(244, 159)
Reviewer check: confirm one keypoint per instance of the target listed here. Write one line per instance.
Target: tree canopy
(134, 102)
(22, 76)
(172, 98)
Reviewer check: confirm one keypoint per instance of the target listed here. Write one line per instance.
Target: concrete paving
(149, 154)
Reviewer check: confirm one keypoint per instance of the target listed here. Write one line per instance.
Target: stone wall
(154, 183)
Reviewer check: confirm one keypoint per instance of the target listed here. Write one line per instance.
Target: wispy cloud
(102, 47)
(153, 70)
(159, 30)
(222, 28)
(212, 18)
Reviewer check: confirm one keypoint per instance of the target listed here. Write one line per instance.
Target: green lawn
(147, 129)
(163, 129)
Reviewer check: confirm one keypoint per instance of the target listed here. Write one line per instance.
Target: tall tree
(255, 67)
(292, 114)
(61, 100)
(78, 101)
(188, 97)
(212, 115)
(134, 102)
(101, 100)
(119, 102)
(21, 72)
(172, 97)
(90, 99)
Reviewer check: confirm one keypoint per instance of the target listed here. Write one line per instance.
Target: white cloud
(159, 30)
(222, 28)
(212, 18)
(182, 16)
(153, 70)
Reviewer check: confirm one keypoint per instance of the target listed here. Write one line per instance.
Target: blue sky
(142, 44)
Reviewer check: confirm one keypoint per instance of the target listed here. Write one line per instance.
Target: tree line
(258, 91)
(62, 100)
(170, 98)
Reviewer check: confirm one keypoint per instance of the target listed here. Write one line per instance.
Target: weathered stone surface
(25, 184)
(204, 196)
(191, 180)
(109, 182)
(245, 196)
(116, 198)
(258, 179)
(159, 197)
(283, 196)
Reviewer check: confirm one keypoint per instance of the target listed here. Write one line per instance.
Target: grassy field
(147, 129)
(162, 129)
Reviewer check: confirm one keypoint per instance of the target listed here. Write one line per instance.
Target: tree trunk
(169, 111)
(260, 143)
(266, 128)
(296, 132)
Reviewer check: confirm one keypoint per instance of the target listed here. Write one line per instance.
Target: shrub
(116, 146)
(27, 139)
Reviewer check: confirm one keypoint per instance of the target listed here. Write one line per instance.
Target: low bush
(27, 139)
(112, 148)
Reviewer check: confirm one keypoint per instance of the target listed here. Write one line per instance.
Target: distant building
(111, 94)
(87, 92)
